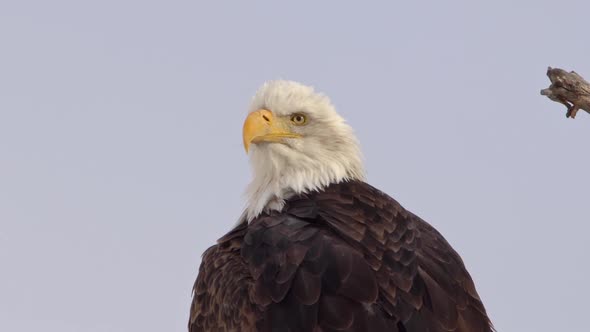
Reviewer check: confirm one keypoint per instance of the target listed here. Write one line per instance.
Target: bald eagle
(319, 249)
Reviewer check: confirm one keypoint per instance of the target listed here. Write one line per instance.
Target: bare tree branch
(569, 89)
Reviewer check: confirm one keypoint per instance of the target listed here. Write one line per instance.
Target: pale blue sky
(121, 156)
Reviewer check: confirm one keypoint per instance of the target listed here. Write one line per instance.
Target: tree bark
(568, 88)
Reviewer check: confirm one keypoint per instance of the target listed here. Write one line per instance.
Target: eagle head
(296, 142)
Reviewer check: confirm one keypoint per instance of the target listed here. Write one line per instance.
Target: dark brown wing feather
(221, 301)
(348, 258)
(308, 279)
(423, 283)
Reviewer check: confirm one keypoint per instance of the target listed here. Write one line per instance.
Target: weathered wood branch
(568, 88)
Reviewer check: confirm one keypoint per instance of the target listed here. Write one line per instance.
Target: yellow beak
(261, 126)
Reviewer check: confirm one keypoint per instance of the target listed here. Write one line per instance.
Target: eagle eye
(298, 119)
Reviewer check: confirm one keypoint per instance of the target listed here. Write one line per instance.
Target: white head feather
(327, 151)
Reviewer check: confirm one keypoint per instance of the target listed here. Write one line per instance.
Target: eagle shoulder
(220, 293)
(423, 283)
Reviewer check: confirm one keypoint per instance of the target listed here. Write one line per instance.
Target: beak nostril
(266, 118)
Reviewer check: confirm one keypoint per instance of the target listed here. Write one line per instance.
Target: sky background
(121, 158)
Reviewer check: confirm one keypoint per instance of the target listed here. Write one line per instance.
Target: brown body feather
(348, 258)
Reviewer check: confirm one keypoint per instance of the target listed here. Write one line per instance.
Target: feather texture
(346, 258)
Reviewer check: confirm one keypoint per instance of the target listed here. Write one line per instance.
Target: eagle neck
(279, 173)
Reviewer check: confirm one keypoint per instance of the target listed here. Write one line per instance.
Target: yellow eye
(298, 119)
